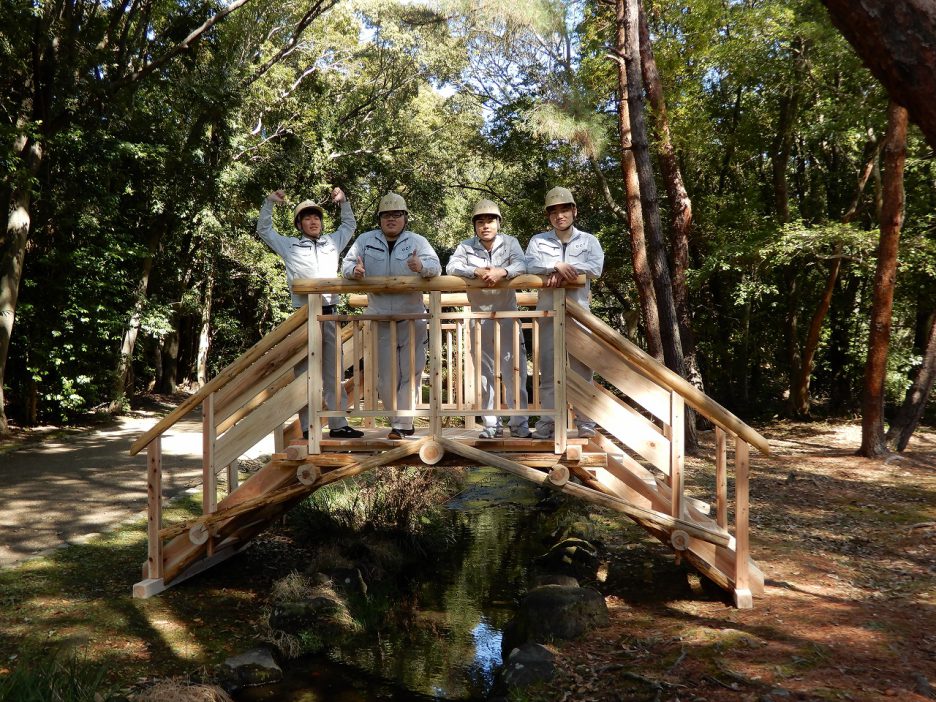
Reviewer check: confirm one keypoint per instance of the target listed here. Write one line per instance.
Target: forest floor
(847, 547)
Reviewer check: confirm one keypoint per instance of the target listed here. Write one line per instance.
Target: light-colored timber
(634, 465)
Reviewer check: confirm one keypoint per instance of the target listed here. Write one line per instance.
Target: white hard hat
(486, 207)
(559, 196)
(392, 202)
(306, 206)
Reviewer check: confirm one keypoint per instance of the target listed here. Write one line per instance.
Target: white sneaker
(491, 433)
(586, 432)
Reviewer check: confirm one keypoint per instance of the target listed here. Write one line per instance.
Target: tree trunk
(170, 363)
(799, 392)
(896, 39)
(924, 376)
(13, 253)
(680, 220)
(873, 444)
(656, 252)
(204, 336)
(123, 376)
(642, 278)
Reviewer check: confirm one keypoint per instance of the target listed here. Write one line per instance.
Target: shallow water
(444, 642)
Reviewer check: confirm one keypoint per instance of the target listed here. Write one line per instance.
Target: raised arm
(345, 230)
(279, 243)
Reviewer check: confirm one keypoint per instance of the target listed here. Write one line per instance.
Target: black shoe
(345, 432)
(400, 433)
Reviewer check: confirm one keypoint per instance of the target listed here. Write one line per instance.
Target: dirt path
(65, 490)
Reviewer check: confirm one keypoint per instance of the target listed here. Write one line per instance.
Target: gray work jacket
(505, 253)
(583, 252)
(373, 248)
(305, 257)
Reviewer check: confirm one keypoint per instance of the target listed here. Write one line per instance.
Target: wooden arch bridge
(634, 464)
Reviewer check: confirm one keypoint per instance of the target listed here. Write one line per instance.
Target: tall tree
(924, 377)
(873, 443)
(896, 39)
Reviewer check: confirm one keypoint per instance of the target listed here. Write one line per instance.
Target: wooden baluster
(498, 380)
(560, 364)
(435, 364)
(461, 362)
(677, 434)
(478, 401)
(356, 368)
(154, 551)
(415, 374)
(314, 374)
(742, 576)
(721, 478)
(450, 374)
(394, 368)
(279, 439)
(517, 360)
(339, 368)
(536, 363)
(370, 371)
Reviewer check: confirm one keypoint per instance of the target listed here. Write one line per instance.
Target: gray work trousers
(507, 363)
(387, 357)
(329, 354)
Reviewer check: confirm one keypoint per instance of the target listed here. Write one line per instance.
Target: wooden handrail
(411, 284)
(524, 299)
(668, 379)
(293, 322)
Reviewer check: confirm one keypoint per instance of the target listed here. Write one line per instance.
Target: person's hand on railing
(414, 263)
(491, 276)
(358, 272)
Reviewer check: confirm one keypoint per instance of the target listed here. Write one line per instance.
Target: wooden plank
(356, 356)
(282, 380)
(516, 364)
(496, 380)
(274, 411)
(414, 385)
(667, 378)
(612, 365)
(261, 374)
(537, 359)
(394, 369)
(154, 549)
(619, 420)
(272, 339)
(524, 299)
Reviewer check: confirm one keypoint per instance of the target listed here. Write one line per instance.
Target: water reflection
(439, 637)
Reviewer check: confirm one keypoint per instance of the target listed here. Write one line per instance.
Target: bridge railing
(453, 385)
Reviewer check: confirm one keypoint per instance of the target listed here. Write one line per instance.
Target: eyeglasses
(394, 214)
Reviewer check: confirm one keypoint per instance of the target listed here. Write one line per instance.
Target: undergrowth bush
(406, 501)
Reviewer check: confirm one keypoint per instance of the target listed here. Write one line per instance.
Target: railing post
(209, 474)
(370, 372)
(560, 366)
(154, 552)
(435, 363)
(721, 478)
(314, 373)
(676, 457)
(742, 576)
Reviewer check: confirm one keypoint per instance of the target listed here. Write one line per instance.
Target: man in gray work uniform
(393, 250)
(562, 253)
(314, 255)
(492, 257)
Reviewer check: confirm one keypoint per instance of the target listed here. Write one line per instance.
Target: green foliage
(49, 678)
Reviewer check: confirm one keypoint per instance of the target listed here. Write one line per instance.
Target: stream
(447, 646)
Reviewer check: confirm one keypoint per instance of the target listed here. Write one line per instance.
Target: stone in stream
(571, 556)
(255, 667)
(554, 612)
